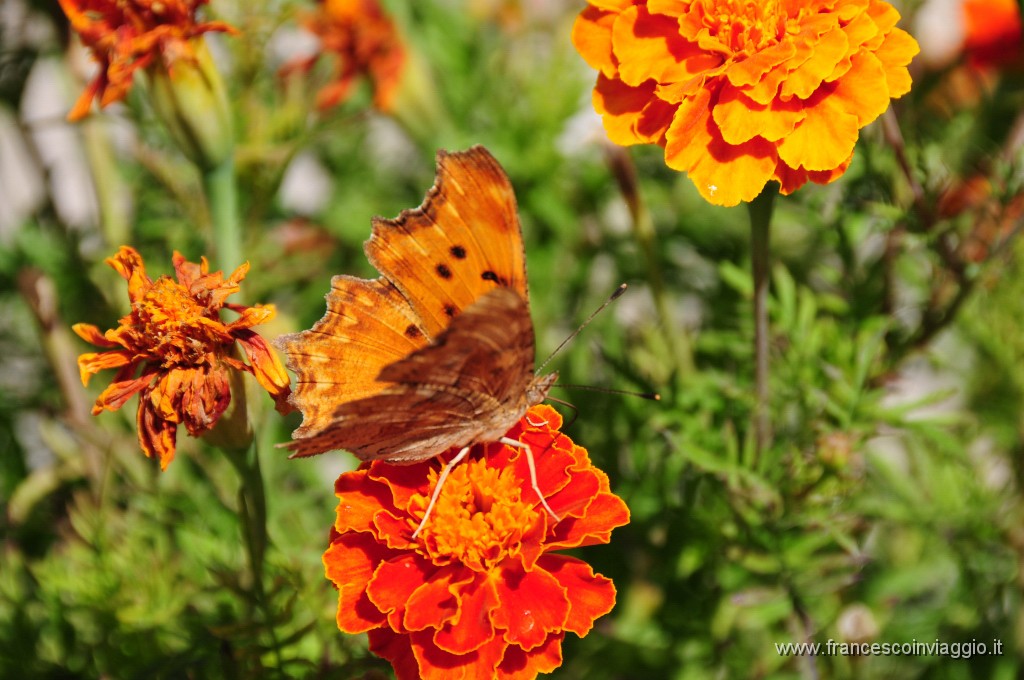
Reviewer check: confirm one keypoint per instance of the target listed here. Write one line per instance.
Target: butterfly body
(439, 351)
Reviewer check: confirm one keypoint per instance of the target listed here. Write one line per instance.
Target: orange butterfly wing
(437, 352)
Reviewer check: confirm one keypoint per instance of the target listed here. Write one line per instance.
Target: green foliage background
(888, 507)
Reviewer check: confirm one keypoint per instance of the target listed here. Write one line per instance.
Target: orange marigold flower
(740, 93)
(992, 32)
(366, 42)
(481, 593)
(126, 35)
(174, 348)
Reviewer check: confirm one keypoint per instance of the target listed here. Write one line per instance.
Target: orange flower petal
(94, 362)
(895, 52)
(828, 50)
(156, 435)
(350, 562)
(593, 596)
(631, 115)
(123, 388)
(824, 139)
(592, 36)
(267, 368)
(605, 512)
(723, 174)
(92, 334)
(749, 71)
(740, 119)
(648, 46)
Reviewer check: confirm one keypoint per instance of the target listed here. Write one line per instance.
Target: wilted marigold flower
(127, 35)
(175, 350)
(482, 592)
(366, 42)
(740, 93)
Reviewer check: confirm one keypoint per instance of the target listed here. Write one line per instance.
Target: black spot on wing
(458, 252)
(411, 331)
(444, 272)
(491, 276)
(450, 310)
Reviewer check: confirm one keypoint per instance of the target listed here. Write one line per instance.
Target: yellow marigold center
(479, 519)
(742, 25)
(172, 324)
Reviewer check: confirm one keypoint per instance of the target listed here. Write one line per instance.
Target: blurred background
(888, 508)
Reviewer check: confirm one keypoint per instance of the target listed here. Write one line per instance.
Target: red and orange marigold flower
(365, 41)
(992, 31)
(175, 350)
(739, 92)
(482, 592)
(127, 35)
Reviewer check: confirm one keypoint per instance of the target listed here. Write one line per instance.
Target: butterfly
(438, 352)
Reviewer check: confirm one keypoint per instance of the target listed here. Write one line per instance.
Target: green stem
(676, 338)
(222, 197)
(761, 209)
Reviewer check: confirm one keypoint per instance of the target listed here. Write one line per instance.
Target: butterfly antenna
(575, 411)
(611, 298)
(652, 396)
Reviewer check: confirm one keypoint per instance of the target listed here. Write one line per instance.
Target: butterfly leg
(437, 488)
(533, 473)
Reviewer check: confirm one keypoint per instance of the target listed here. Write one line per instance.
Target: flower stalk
(760, 210)
(222, 198)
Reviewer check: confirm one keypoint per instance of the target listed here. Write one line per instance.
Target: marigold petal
(860, 92)
(605, 512)
(792, 179)
(122, 388)
(92, 335)
(573, 499)
(396, 649)
(533, 604)
(359, 500)
(896, 51)
(267, 368)
(591, 596)
(521, 665)
(631, 115)
(349, 563)
(824, 139)
(156, 435)
(747, 72)
(723, 174)
(472, 627)
(434, 603)
(128, 263)
(592, 36)
(740, 118)
(84, 102)
(671, 8)
(94, 362)
(436, 664)
(394, 583)
(828, 51)
(648, 46)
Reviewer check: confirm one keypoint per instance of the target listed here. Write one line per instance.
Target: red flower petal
(437, 664)
(433, 604)
(472, 627)
(533, 604)
(394, 583)
(359, 500)
(397, 649)
(520, 665)
(350, 562)
(590, 596)
(156, 435)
